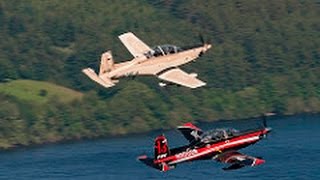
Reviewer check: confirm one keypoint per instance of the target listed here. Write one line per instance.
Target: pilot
(207, 139)
(225, 134)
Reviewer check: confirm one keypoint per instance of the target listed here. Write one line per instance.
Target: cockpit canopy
(218, 134)
(163, 50)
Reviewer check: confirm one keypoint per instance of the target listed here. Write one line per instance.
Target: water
(291, 152)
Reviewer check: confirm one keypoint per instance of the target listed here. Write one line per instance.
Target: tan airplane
(161, 61)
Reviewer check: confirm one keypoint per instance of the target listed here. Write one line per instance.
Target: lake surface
(291, 151)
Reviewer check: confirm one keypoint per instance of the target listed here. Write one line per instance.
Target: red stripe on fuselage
(211, 149)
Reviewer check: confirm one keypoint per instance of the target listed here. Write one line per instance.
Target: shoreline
(161, 130)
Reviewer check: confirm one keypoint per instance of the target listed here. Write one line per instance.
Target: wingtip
(86, 70)
(142, 157)
(258, 162)
(124, 34)
(199, 85)
(188, 125)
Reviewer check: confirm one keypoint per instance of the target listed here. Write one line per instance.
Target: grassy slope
(37, 91)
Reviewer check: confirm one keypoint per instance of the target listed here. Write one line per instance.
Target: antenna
(201, 39)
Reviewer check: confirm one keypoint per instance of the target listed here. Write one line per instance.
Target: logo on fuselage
(160, 156)
(187, 153)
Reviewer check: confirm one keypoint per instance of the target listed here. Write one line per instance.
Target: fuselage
(154, 65)
(210, 150)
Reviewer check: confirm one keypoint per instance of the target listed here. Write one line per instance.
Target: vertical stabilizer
(106, 64)
(161, 149)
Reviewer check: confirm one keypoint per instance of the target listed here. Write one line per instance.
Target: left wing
(190, 132)
(238, 160)
(135, 46)
(178, 76)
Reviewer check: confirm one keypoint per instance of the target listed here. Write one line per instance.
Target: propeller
(264, 121)
(264, 118)
(201, 39)
(206, 45)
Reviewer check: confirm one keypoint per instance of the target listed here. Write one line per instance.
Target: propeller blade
(201, 39)
(264, 121)
(264, 118)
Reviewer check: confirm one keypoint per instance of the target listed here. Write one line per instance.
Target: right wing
(178, 76)
(190, 132)
(135, 46)
(238, 160)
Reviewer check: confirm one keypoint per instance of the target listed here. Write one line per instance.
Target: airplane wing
(178, 76)
(190, 132)
(135, 46)
(238, 160)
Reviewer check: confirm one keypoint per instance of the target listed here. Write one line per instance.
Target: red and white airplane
(218, 144)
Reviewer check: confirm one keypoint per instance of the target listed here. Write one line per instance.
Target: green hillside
(265, 57)
(38, 92)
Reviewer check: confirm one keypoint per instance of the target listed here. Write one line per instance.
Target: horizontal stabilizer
(92, 75)
(150, 162)
(147, 161)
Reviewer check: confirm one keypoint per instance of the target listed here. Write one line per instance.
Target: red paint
(258, 162)
(190, 125)
(211, 148)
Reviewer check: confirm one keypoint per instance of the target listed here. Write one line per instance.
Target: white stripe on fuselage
(241, 141)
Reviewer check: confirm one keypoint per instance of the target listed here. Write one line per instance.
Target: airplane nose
(207, 46)
(264, 132)
(268, 130)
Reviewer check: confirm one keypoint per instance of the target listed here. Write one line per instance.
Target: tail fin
(106, 64)
(161, 149)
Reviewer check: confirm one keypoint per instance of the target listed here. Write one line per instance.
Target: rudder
(106, 63)
(161, 148)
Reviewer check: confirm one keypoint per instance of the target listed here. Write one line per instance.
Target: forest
(265, 58)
